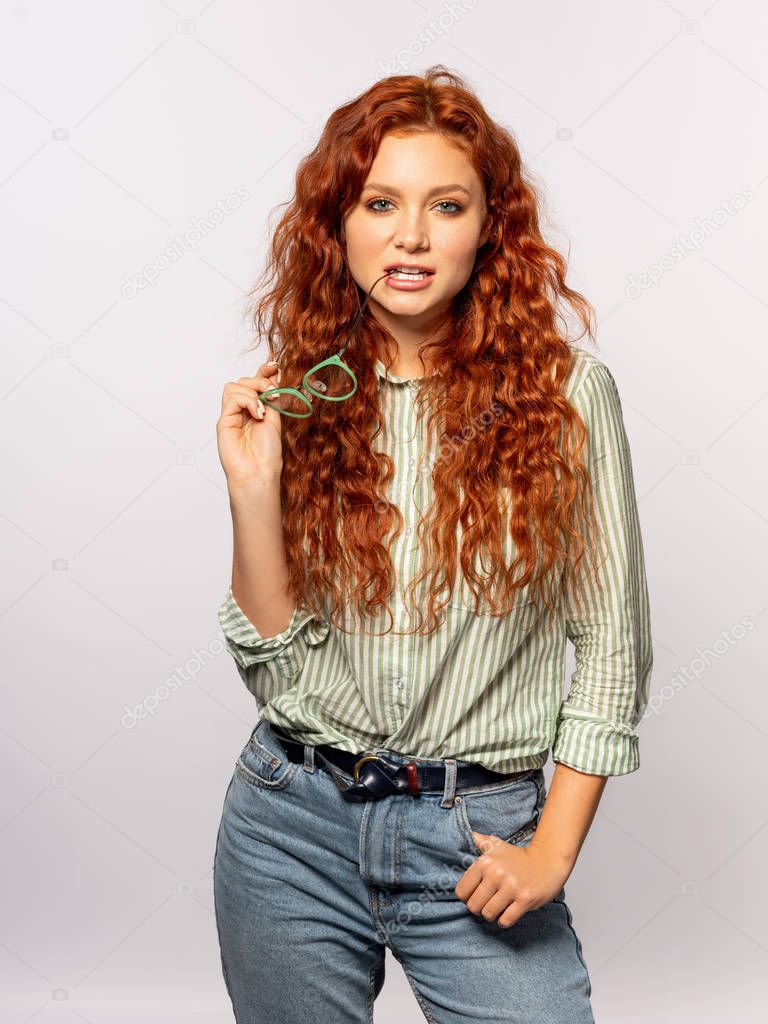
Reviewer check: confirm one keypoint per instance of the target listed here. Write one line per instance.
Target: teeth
(403, 272)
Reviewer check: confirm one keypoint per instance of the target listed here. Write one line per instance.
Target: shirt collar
(388, 375)
(385, 375)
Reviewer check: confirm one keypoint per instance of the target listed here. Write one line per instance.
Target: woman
(459, 458)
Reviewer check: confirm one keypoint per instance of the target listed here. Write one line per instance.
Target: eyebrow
(432, 192)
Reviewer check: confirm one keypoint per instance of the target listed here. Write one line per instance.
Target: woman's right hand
(248, 432)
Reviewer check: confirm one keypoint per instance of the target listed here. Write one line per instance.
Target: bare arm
(568, 813)
(259, 566)
(250, 447)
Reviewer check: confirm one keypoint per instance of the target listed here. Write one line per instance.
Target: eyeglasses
(334, 361)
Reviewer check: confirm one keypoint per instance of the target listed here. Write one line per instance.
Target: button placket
(400, 684)
(407, 500)
(405, 481)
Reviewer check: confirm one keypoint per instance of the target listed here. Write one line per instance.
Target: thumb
(485, 841)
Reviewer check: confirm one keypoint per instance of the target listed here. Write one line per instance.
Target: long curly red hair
(505, 355)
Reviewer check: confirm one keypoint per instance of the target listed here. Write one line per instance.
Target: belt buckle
(363, 759)
(375, 784)
(411, 771)
(377, 791)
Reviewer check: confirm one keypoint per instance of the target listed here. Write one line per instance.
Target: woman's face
(423, 203)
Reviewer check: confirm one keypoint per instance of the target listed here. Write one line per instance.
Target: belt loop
(449, 789)
(309, 758)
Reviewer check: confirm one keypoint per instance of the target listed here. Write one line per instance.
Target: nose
(411, 232)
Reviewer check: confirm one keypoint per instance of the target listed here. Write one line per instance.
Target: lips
(413, 267)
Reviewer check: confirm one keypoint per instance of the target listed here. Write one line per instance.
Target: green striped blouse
(480, 688)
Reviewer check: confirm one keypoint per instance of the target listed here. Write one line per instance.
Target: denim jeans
(310, 890)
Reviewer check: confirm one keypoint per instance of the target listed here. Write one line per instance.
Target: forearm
(259, 566)
(568, 812)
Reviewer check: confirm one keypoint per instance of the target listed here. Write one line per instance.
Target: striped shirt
(480, 688)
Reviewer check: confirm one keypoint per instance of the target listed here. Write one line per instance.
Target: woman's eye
(443, 202)
(369, 205)
(450, 202)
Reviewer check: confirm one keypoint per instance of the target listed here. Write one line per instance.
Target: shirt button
(400, 682)
(411, 463)
(408, 531)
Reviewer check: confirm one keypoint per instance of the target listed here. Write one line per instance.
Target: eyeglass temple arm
(359, 316)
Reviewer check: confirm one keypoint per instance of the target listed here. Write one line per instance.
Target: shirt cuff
(595, 745)
(248, 646)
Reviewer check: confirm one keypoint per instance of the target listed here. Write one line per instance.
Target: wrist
(254, 486)
(564, 859)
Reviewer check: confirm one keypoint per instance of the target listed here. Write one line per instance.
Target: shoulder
(592, 391)
(590, 385)
(586, 369)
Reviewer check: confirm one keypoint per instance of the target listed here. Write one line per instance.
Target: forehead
(418, 161)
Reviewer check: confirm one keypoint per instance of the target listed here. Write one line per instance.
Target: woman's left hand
(507, 881)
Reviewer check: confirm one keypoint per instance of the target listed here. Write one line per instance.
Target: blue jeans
(311, 889)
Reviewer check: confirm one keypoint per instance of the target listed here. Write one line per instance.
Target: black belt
(376, 776)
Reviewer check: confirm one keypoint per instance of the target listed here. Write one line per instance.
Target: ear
(485, 232)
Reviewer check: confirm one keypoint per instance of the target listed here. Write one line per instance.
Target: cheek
(456, 267)
(457, 248)
(364, 235)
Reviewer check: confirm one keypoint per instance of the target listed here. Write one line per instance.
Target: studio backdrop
(147, 149)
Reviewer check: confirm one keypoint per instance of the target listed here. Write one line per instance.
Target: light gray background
(124, 126)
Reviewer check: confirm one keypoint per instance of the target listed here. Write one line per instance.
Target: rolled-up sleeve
(281, 656)
(610, 626)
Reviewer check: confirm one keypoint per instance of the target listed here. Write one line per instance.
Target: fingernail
(261, 409)
(272, 362)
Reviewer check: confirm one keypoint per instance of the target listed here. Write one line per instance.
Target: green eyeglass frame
(334, 360)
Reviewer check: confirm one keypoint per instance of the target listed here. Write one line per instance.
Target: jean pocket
(264, 762)
(510, 811)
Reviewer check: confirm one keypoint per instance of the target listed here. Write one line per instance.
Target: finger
(511, 915)
(261, 386)
(266, 372)
(470, 880)
(484, 892)
(259, 382)
(243, 391)
(237, 399)
(485, 842)
(496, 906)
